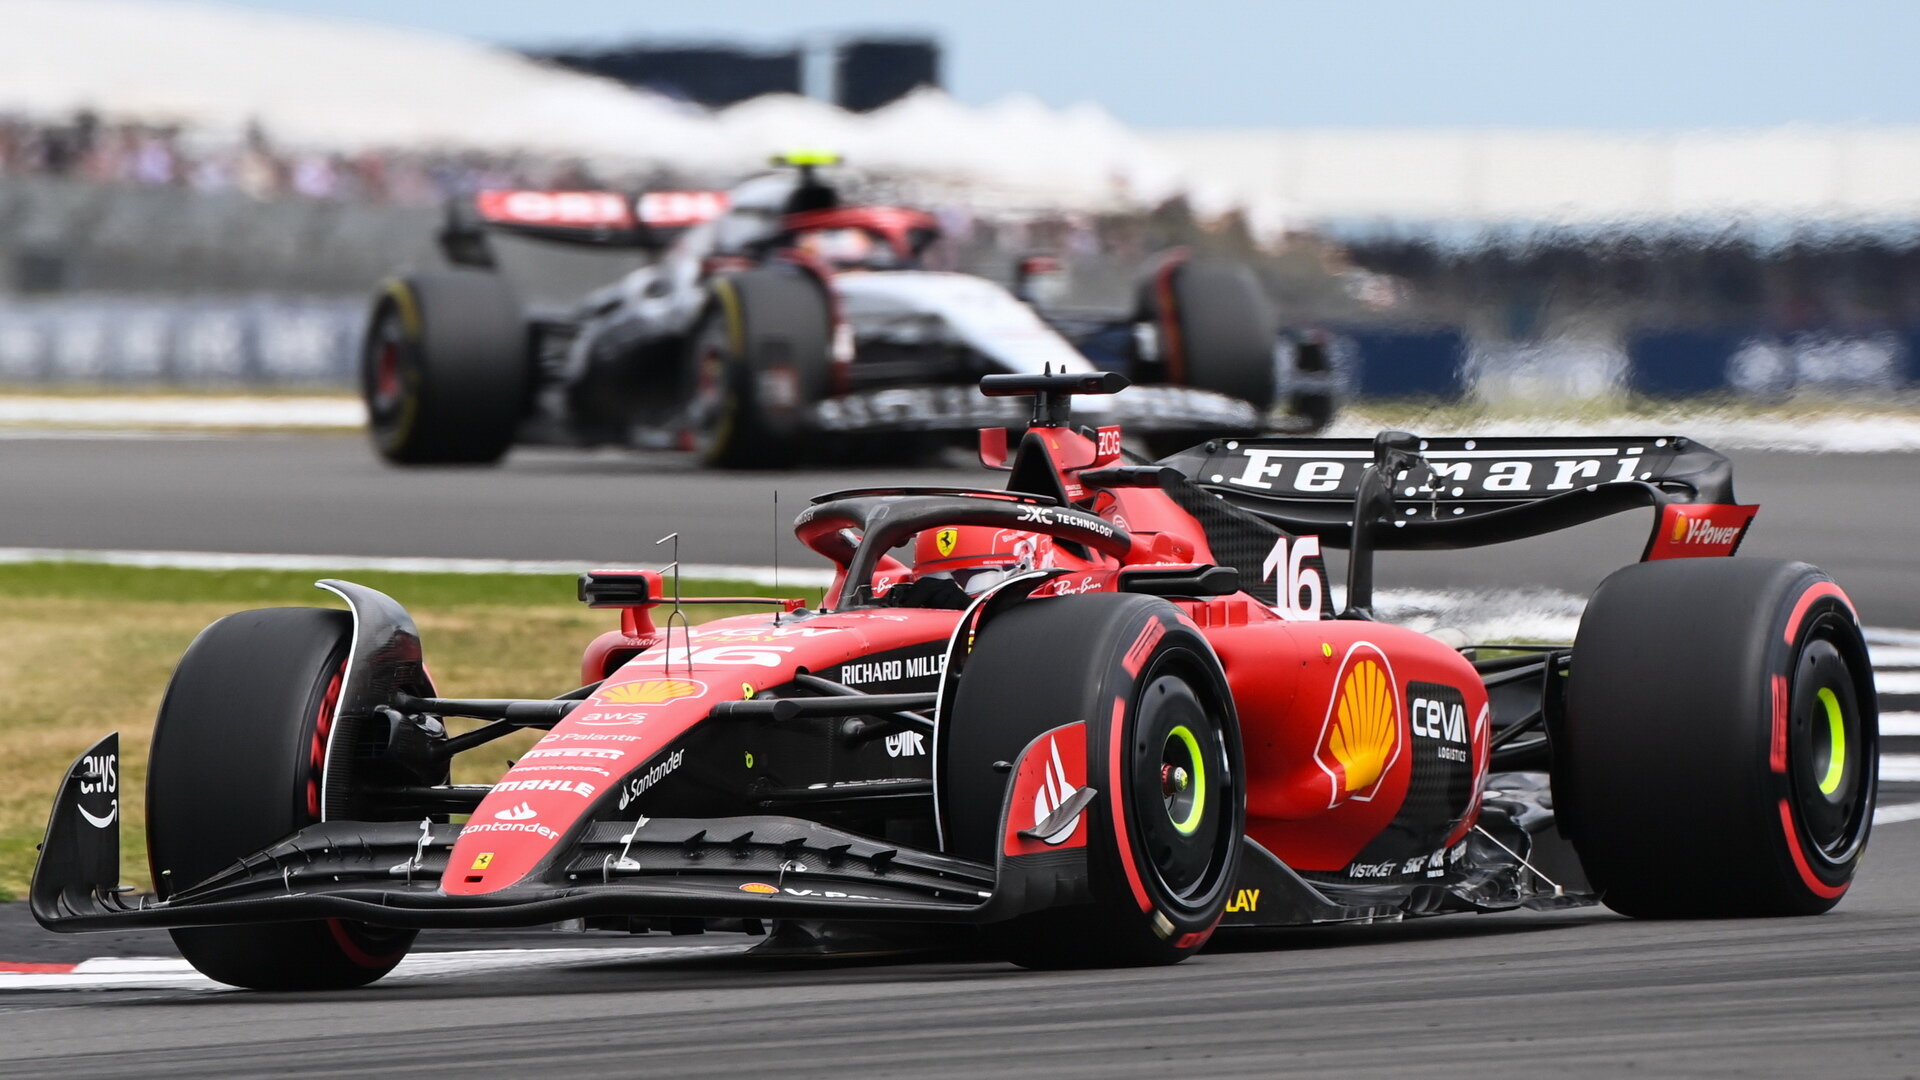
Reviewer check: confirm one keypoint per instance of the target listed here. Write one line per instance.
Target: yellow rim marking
(1837, 737)
(1192, 820)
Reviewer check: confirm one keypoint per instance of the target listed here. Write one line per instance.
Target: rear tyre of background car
(1163, 751)
(1720, 746)
(445, 369)
(762, 356)
(236, 765)
(1216, 331)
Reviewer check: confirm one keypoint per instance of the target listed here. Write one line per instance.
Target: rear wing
(1468, 492)
(608, 219)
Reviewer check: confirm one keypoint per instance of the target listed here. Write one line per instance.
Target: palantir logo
(517, 813)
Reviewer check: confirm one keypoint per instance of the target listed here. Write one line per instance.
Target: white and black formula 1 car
(1105, 710)
(774, 322)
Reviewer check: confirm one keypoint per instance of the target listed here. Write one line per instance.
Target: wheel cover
(1181, 788)
(1830, 746)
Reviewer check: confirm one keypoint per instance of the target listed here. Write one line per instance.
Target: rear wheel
(1163, 751)
(445, 369)
(1216, 331)
(238, 753)
(1721, 740)
(761, 360)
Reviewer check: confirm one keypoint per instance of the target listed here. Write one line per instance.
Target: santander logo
(1054, 789)
(517, 813)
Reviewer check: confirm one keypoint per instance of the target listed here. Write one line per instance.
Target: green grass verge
(86, 649)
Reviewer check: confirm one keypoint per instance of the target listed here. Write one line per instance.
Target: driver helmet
(978, 557)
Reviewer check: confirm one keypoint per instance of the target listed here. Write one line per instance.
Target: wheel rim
(1830, 746)
(390, 400)
(1181, 787)
(709, 410)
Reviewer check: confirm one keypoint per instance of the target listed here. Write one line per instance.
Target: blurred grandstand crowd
(87, 147)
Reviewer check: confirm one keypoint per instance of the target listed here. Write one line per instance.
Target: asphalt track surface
(1572, 993)
(326, 494)
(1578, 992)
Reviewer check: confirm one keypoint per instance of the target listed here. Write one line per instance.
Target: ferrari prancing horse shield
(944, 540)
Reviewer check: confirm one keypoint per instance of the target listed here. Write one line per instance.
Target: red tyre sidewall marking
(317, 759)
(1116, 738)
(1778, 757)
(1807, 876)
(1814, 593)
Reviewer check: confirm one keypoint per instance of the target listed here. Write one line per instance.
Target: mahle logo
(650, 692)
(1361, 736)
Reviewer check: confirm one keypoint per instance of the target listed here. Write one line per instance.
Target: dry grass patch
(88, 650)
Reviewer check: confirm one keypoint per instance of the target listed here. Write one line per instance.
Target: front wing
(389, 873)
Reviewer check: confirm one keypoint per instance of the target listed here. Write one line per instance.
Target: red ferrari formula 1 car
(1101, 713)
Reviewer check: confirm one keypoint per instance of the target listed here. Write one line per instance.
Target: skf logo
(483, 860)
(650, 692)
(1361, 736)
(944, 541)
(1244, 900)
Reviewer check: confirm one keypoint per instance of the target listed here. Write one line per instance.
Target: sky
(1617, 65)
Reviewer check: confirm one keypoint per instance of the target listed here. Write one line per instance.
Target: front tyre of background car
(1719, 751)
(761, 359)
(445, 369)
(238, 752)
(1163, 751)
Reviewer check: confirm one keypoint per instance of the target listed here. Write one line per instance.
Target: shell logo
(1679, 527)
(944, 540)
(1361, 737)
(650, 692)
(758, 888)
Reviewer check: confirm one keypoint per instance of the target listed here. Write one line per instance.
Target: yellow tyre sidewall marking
(1187, 826)
(1837, 739)
(729, 297)
(404, 302)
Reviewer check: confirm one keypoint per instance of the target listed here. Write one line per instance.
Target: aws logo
(650, 692)
(1360, 738)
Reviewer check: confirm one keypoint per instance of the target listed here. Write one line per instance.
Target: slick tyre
(1719, 751)
(1217, 331)
(445, 369)
(761, 358)
(1163, 754)
(236, 765)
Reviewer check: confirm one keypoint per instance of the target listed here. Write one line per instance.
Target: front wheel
(1721, 741)
(1162, 751)
(238, 759)
(761, 360)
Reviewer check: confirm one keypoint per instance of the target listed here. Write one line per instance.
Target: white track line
(186, 411)
(157, 973)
